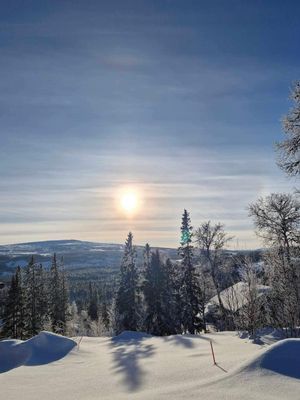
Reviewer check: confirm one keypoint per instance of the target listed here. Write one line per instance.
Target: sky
(179, 101)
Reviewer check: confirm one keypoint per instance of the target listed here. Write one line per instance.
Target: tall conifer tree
(127, 299)
(58, 294)
(190, 288)
(31, 296)
(13, 318)
(157, 320)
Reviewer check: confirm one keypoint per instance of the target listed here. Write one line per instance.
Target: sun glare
(129, 202)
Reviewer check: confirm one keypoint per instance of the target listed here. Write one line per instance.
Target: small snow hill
(42, 349)
(274, 374)
(281, 358)
(140, 366)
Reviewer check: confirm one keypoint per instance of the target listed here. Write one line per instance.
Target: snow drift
(274, 374)
(281, 358)
(44, 348)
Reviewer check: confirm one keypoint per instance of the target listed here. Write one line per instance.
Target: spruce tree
(58, 295)
(105, 315)
(172, 298)
(54, 296)
(9, 317)
(190, 288)
(31, 299)
(13, 318)
(127, 298)
(42, 306)
(157, 319)
(64, 298)
(93, 304)
(147, 256)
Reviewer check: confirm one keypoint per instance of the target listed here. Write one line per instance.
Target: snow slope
(139, 366)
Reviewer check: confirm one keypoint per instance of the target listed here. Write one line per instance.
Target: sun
(129, 202)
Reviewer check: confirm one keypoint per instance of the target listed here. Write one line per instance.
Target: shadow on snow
(128, 350)
(187, 341)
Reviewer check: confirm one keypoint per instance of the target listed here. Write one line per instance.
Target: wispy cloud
(181, 102)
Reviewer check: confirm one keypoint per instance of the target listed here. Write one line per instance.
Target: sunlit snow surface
(138, 366)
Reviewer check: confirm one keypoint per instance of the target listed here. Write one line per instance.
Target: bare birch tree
(277, 219)
(211, 239)
(289, 148)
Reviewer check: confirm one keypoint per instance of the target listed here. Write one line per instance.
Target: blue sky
(180, 100)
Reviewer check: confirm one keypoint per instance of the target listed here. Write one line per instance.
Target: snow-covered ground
(138, 366)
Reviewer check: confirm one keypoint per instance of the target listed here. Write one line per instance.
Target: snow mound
(273, 374)
(44, 348)
(281, 358)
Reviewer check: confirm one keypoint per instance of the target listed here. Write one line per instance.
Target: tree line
(37, 299)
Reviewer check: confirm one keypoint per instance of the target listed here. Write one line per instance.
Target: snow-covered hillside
(139, 366)
(76, 253)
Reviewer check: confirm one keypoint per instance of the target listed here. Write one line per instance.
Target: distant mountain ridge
(53, 245)
(75, 254)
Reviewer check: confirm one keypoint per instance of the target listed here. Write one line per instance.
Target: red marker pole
(78, 344)
(212, 352)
